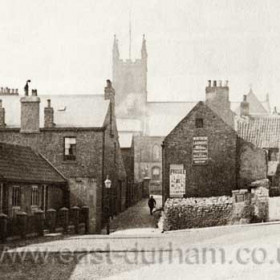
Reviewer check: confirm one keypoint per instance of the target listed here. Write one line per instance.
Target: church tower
(130, 83)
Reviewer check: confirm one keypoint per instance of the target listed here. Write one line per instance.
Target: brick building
(203, 156)
(79, 137)
(29, 182)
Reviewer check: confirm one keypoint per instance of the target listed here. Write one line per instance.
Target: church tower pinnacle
(144, 53)
(116, 54)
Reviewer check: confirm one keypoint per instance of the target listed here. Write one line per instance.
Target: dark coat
(152, 203)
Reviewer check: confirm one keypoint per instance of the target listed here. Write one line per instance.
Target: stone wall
(260, 198)
(218, 175)
(86, 192)
(180, 213)
(128, 160)
(274, 208)
(89, 160)
(242, 208)
(113, 164)
(252, 163)
(228, 162)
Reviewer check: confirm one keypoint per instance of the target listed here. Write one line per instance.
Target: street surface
(136, 219)
(229, 252)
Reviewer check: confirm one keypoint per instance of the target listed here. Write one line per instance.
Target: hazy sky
(65, 46)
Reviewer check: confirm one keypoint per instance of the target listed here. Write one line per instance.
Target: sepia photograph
(139, 139)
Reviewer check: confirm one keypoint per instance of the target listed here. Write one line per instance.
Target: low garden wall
(243, 207)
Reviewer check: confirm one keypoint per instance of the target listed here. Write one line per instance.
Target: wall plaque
(200, 150)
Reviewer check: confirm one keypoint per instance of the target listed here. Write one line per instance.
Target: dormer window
(198, 123)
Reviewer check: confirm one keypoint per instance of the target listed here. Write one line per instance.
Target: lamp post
(108, 184)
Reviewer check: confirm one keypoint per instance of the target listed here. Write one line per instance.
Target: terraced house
(78, 135)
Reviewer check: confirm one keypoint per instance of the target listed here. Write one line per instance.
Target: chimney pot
(244, 97)
(209, 83)
(109, 91)
(49, 103)
(220, 83)
(214, 83)
(34, 92)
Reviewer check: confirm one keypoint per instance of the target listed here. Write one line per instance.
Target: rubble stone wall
(180, 213)
(243, 207)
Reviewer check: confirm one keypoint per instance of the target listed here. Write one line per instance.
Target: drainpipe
(1, 197)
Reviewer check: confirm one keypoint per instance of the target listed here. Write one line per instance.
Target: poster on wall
(177, 178)
(200, 150)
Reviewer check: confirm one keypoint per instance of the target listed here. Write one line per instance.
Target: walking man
(152, 204)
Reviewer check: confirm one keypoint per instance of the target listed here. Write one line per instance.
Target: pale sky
(65, 46)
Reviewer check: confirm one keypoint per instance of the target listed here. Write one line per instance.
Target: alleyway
(135, 219)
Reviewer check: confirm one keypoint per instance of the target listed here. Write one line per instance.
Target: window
(155, 173)
(35, 196)
(198, 123)
(156, 153)
(70, 148)
(16, 196)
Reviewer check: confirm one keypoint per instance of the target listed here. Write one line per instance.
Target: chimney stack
(109, 92)
(30, 113)
(49, 115)
(244, 107)
(2, 115)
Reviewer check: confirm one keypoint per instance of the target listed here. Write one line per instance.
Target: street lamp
(108, 184)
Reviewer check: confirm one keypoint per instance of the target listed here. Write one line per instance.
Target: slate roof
(22, 164)
(125, 139)
(264, 132)
(129, 125)
(164, 116)
(69, 110)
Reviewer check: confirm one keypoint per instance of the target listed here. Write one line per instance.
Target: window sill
(69, 162)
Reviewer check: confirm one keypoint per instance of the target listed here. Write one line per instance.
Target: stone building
(203, 156)
(78, 135)
(264, 132)
(148, 122)
(29, 182)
